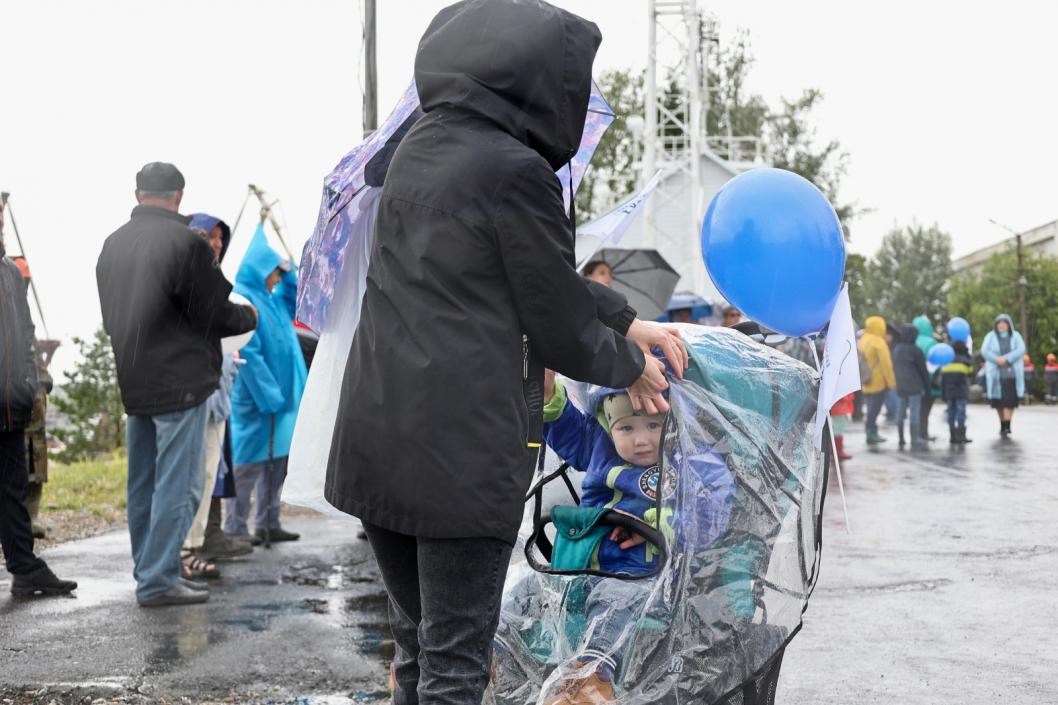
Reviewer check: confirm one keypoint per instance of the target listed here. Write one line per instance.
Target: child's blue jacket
(611, 482)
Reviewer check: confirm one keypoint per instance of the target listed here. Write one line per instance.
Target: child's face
(638, 438)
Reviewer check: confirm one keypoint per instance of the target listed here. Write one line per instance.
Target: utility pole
(1023, 282)
(370, 70)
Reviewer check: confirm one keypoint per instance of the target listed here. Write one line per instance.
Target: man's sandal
(194, 568)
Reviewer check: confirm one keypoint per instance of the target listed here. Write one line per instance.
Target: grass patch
(93, 486)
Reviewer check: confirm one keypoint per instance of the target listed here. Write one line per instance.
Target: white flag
(609, 228)
(841, 363)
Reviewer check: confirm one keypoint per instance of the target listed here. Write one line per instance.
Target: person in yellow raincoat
(878, 376)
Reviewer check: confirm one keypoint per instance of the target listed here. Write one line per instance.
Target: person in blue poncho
(618, 449)
(1003, 350)
(266, 393)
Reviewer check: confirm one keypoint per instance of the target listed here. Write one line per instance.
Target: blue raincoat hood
(1003, 317)
(259, 261)
(207, 222)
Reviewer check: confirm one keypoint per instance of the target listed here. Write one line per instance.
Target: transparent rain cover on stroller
(721, 611)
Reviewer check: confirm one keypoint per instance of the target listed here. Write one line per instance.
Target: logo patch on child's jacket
(648, 483)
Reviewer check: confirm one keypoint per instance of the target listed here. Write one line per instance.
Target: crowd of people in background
(895, 372)
(206, 431)
(203, 426)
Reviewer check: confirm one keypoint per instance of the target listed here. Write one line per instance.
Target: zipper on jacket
(525, 357)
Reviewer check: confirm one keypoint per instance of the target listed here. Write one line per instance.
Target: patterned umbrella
(343, 210)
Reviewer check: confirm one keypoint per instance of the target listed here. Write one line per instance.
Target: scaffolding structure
(678, 50)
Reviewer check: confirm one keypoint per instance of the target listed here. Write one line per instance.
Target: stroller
(719, 611)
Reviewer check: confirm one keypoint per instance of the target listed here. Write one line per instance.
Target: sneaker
(221, 547)
(194, 585)
(249, 539)
(39, 583)
(178, 594)
(277, 535)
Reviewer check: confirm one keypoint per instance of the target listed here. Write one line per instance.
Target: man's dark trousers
(16, 532)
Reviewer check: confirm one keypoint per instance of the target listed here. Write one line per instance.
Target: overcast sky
(947, 109)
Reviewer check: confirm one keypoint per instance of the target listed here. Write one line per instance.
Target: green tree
(980, 296)
(91, 402)
(908, 276)
(789, 139)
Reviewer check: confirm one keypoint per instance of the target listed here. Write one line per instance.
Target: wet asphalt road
(945, 590)
(942, 593)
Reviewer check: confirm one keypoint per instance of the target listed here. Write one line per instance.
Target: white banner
(841, 365)
(608, 229)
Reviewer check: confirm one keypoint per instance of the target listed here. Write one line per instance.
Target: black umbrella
(643, 276)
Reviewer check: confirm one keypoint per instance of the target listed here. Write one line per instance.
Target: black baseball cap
(159, 177)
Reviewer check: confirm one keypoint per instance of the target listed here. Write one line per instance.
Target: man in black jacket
(18, 391)
(471, 292)
(165, 306)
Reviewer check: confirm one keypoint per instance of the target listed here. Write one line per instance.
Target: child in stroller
(618, 449)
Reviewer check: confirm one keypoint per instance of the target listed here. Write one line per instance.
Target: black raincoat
(165, 306)
(471, 289)
(18, 364)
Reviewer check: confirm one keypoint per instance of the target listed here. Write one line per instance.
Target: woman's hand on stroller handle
(666, 339)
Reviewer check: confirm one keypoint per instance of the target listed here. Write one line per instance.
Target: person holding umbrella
(1003, 350)
(471, 292)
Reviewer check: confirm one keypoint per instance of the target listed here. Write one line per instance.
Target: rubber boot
(962, 435)
(953, 434)
(839, 442)
(873, 438)
(900, 431)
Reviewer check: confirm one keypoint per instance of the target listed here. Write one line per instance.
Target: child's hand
(549, 385)
(626, 541)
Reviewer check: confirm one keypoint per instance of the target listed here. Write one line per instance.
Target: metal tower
(674, 135)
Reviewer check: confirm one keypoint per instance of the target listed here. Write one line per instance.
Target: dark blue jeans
(957, 412)
(444, 605)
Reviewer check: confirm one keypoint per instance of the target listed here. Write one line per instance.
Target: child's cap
(616, 406)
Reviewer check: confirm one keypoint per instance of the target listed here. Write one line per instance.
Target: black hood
(908, 334)
(525, 65)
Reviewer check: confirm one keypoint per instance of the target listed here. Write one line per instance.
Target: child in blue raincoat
(619, 449)
(267, 391)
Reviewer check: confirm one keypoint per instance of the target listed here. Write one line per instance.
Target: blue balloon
(959, 329)
(774, 248)
(941, 354)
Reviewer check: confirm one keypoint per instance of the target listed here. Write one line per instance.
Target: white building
(1042, 240)
(670, 225)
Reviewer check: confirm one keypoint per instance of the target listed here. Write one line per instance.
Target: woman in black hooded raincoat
(471, 293)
